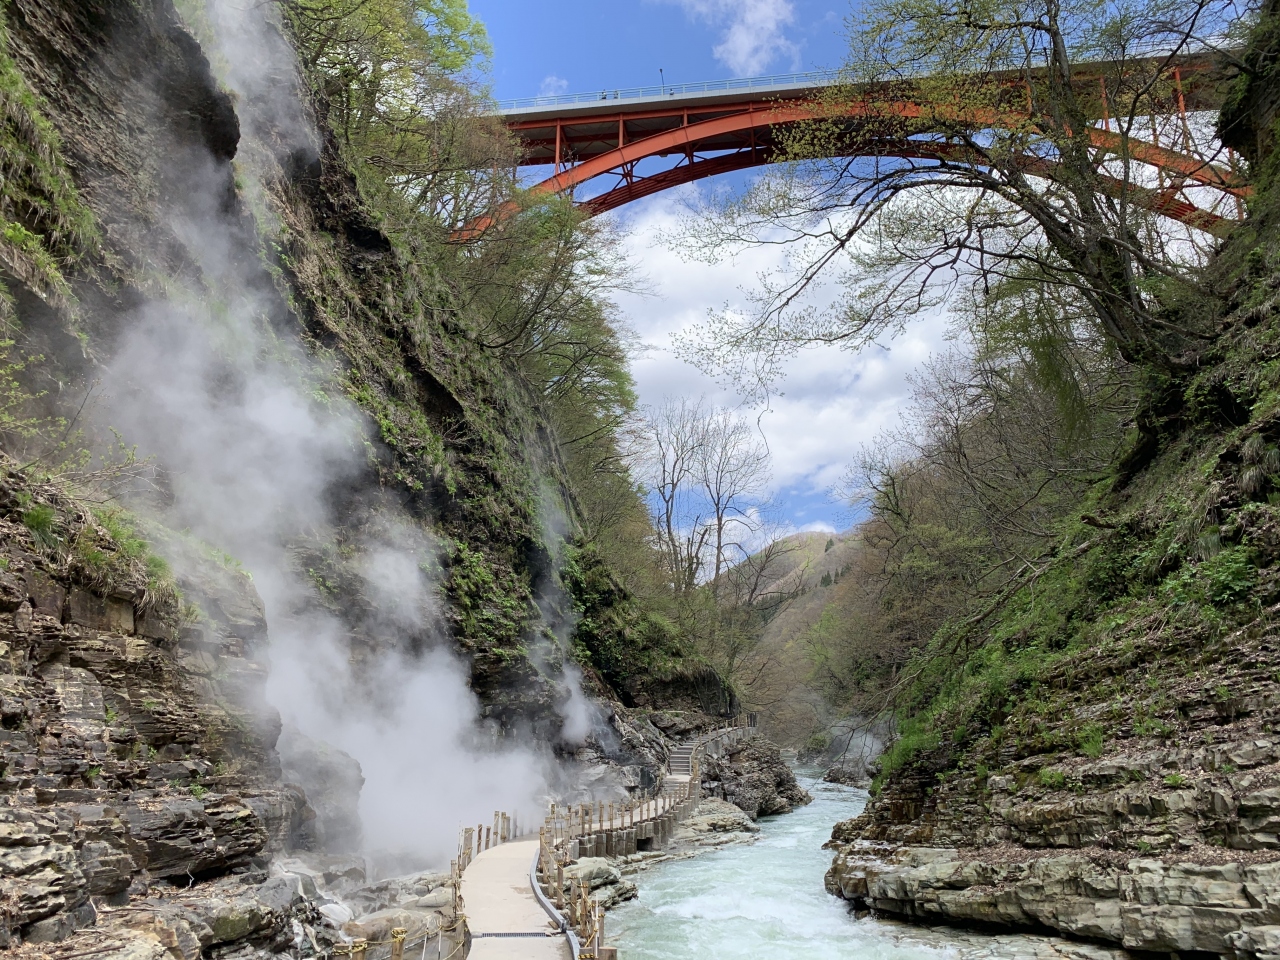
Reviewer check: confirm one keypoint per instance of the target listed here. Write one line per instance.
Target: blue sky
(833, 402)
(581, 45)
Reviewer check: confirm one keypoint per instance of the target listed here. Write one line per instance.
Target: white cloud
(818, 526)
(754, 32)
(553, 86)
(833, 401)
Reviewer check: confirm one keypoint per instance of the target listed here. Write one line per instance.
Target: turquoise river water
(765, 901)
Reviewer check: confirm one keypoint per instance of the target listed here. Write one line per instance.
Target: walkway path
(504, 917)
(497, 899)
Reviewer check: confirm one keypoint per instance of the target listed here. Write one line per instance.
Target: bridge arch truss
(618, 142)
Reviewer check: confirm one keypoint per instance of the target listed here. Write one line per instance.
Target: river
(765, 901)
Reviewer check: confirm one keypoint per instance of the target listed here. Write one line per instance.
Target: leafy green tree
(1022, 164)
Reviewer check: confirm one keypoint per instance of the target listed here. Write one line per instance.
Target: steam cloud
(256, 453)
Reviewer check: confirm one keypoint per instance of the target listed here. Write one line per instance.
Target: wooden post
(488, 837)
(397, 943)
(358, 947)
(479, 838)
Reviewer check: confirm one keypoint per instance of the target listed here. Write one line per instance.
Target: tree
(707, 470)
(1023, 167)
(393, 84)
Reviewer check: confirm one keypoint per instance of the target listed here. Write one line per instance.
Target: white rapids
(765, 901)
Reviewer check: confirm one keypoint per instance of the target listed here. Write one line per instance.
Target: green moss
(494, 604)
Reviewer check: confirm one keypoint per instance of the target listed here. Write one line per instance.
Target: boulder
(719, 816)
(188, 837)
(378, 926)
(594, 871)
(753, 776)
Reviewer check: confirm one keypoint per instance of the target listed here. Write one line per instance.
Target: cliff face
(1105, 765)
(144, 206)
(136, 746)
(1154, 826)
(160, 186)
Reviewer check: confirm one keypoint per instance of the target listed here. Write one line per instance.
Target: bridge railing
(815, 78)
(781, 81)
(611, 829)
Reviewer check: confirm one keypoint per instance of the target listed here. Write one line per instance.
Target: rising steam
(260, 453)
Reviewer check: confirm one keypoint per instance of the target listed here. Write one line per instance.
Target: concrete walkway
(503, 915)
(497, 899)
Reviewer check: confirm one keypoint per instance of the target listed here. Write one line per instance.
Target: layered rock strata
(1155, 825)
(753, 776)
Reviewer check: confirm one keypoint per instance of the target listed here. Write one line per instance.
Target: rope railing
(403, 948)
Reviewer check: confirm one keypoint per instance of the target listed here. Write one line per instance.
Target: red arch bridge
(629, 144)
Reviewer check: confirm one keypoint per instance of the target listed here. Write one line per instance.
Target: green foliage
(1175, 780)
(41, 520)
(493, 603)
(1053, 779)
(1226, 578)
(111, 550)
(818, 744)
(44, 220)
(634, 647)
(1089, 741)
(915, 738)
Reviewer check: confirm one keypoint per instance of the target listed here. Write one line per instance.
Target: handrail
(811, 79)
(549, 908)
(816, 78)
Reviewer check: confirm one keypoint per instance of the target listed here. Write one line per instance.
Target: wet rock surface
(753, 776)
(716, 818)
(1145, 905)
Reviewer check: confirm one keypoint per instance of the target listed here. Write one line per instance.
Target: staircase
(681, 761)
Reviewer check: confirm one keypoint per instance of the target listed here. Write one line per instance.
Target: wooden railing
(614, 829)
(569, 833)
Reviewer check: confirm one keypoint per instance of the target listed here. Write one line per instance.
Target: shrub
(1090, 741)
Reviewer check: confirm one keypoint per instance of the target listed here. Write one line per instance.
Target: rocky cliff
(753, 777)
(155, 206)
(1099, 760)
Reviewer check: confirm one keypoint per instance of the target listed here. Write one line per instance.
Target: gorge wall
(340, 509)
(1102, 761)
